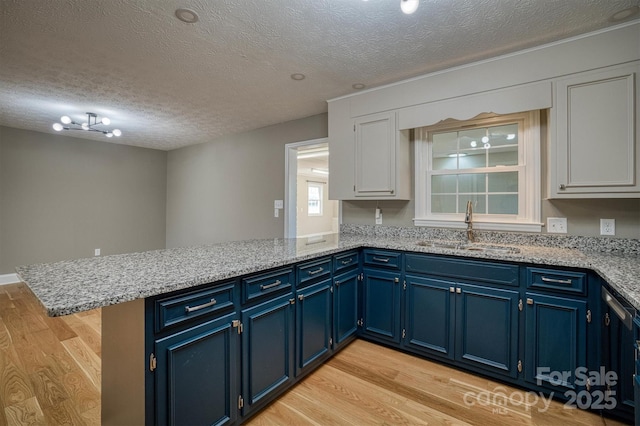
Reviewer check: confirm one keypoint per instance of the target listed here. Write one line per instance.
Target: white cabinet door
(594, 148)
(381, 158)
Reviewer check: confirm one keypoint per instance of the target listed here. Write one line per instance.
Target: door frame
(290, 185)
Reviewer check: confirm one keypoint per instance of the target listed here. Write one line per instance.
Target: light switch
(278, 204)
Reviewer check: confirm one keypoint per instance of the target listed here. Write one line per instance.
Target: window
(492, 161)
(314, 200)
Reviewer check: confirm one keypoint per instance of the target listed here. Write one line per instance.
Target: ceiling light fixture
(89, 125)
(298, 76)
(625, 14)
(187, 15)
(409, 6)
(358, 86)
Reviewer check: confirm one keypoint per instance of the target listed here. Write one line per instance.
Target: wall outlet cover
(607, 227)
(557, 225)
(278, 204)
(96, 252)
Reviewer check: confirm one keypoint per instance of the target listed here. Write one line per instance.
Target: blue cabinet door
(345, 307)
(313, 325)
(487, 328)
(267, 350)
(430, 316)
(197, 375)
(381, 305)
(555, 340)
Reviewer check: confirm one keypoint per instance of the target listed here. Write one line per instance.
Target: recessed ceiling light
(187, 15)
(358, 86)
(297, 76)
(625, 13)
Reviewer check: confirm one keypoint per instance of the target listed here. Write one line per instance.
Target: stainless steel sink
(470, 247)
(490, 249)
(439, 244)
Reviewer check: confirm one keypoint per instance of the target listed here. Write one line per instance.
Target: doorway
(308, 210)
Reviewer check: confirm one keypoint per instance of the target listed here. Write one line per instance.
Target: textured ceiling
(168, 84)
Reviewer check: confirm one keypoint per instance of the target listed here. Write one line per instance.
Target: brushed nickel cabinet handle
(317, 271)
(346, 262)
(381, 259)
(189, 309)
(555, 281)
(267, 286)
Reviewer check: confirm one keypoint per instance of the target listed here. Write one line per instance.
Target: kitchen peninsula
(145, 297)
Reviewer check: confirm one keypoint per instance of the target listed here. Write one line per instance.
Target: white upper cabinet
(593, 150)
(369, 156)
(381, 158)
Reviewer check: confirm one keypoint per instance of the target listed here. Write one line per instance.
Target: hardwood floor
(49, 367)
(50, 374)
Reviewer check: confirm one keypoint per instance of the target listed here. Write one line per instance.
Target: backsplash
(593, 244)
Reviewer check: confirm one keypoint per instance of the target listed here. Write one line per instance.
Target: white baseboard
(9, 279)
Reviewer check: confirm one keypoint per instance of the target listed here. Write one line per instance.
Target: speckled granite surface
(79, 285)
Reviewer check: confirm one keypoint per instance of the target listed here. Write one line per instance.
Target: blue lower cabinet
(555, 341)
(345, 308)
(267, 351)
(197, 375)
(470, 324)
(430, 316)
(381, 305)
(313, 325)
(487, 328)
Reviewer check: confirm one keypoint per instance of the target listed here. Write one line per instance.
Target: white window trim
(529, 188)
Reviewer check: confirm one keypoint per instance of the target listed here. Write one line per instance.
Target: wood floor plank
(48, 387)
(27, 412)
(86, 359)
(15, 385)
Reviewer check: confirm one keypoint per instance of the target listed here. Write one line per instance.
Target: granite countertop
(78, 285)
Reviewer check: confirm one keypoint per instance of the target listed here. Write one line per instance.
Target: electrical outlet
(276, 212)
(378, 216)
(96, 252)
(557, 225)
(607, 227)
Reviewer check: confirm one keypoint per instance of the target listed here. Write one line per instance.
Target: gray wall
(63, 197)
(224, 190)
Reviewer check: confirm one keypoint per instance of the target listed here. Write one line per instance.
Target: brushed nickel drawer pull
(381, 259)
(317, 271)
(555, 281)
(346, 262)
(267, 286)
(189, 309)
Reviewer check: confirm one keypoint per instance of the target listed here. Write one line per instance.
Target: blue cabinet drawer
(383, 258)
(311, 272)
(257, 286)
(489, 272)
(345, 261)
(556, 280)
(177, 309)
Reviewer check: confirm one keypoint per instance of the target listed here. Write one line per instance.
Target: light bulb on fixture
(409, 6)
(89, 125)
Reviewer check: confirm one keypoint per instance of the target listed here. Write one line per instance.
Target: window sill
(487, 226)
